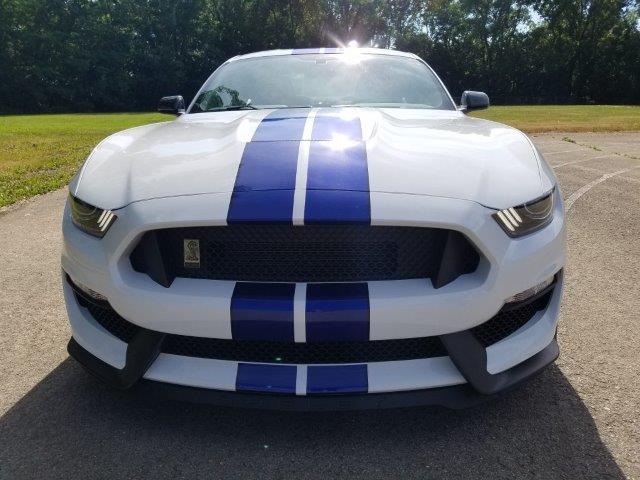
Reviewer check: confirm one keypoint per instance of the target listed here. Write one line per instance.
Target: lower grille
(109, 319)
(509, 319)
(503, 324)
(305, 353)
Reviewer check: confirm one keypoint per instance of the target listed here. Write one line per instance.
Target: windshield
(323, 80)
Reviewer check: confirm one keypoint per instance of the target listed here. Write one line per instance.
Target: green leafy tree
(106, 55)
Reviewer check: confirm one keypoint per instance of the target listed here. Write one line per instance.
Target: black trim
(147, 257)
(459, 396)
(457, 256)
(470, 357)
(141, 352)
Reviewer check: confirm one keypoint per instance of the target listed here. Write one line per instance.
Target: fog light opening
(530, 292)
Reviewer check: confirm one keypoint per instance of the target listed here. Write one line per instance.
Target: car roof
(322, 50)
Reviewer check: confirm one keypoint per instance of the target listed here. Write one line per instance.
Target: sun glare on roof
(351, 55)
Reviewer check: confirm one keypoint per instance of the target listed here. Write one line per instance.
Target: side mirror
(473, 101)
(173, 105)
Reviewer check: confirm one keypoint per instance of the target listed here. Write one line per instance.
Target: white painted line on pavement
(564, 151)
(583, 160)
(581, 191)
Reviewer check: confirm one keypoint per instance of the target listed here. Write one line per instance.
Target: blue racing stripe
(337, 312)
(337, 379)
(262, 311)
(266, 179)
(284, 124)
(258, 377)
(333, 207)
(338, 175)
(329, 125)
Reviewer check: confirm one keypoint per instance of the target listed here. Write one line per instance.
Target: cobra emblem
(191, 253)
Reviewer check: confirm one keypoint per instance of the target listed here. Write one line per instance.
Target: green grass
(566, 118)
(39, 153)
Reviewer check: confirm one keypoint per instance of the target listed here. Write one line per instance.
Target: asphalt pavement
(578, 419)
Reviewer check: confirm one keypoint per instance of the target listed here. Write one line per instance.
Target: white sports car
(319, 229)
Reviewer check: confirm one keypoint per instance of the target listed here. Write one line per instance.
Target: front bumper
(461, 379)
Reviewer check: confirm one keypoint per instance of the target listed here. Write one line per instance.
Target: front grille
(311, 253)
(503, 324)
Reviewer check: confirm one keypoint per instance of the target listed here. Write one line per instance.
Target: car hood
(418, 152)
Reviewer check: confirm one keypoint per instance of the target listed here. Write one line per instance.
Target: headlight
(526, 218)
(92, 220)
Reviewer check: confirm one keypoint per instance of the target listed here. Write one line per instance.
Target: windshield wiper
(229, 108)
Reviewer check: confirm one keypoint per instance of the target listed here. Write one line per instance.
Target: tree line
(122, 55)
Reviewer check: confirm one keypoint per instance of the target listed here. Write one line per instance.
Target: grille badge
(191, 253)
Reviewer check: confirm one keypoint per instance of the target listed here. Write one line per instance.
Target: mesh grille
(500, 326)
(305, 353)
(110, 320)
(508, 320)
(273, 352)
(311, 253)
